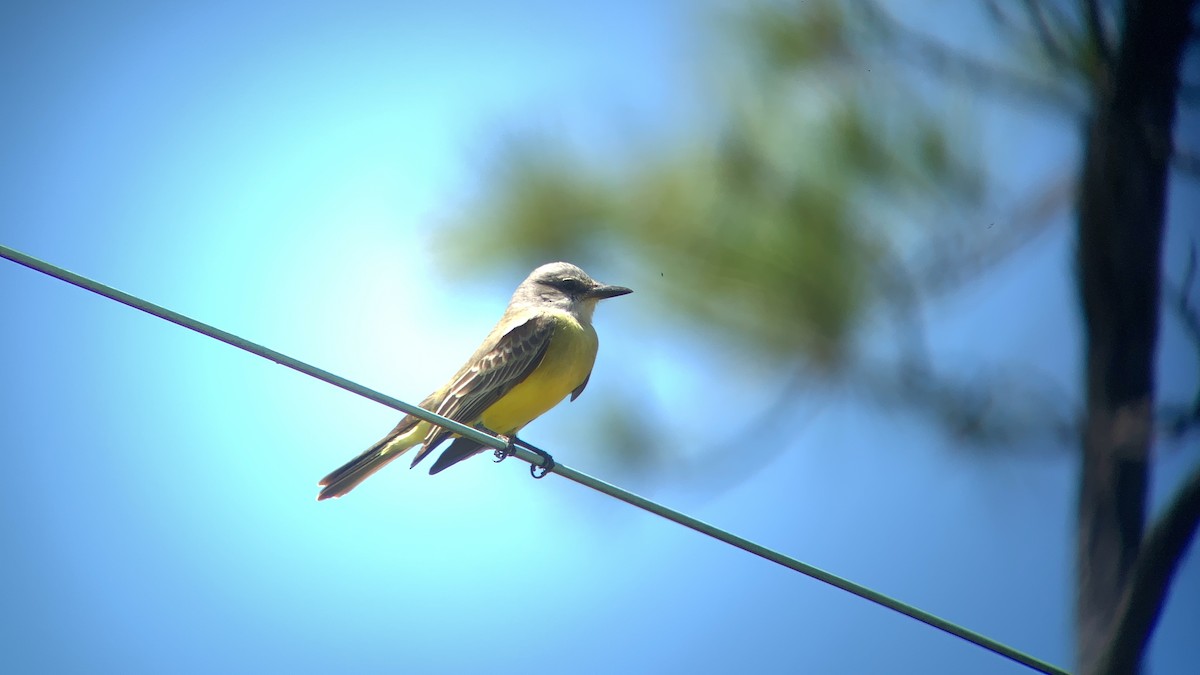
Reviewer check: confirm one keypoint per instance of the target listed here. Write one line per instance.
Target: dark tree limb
(1150, 579)
(1121, 212)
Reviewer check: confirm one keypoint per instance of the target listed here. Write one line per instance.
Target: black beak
(604, 291)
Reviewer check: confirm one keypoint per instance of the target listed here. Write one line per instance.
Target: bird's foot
(538, 471)
(547, 464)
(507, 451)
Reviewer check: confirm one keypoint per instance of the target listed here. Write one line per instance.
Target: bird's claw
(505, 452)
(547, 464)
(538, 471)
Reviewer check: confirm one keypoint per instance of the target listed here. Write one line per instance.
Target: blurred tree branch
(1049, 37)
(1120, 222)
(967, 69)
(1097, 31)
(951, 259)
(760, 439)
(1150, 580)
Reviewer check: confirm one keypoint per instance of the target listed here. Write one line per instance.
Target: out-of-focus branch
(948, 261)
(759, 440)
(1095, 22)
(985, 414)
(1001, 410)
(899, 290)
(944, 61)
(1121, 211)
(998, 11)
(1150, 579)
(1049, 41)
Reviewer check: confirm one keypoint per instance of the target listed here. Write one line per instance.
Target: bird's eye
(569, 285)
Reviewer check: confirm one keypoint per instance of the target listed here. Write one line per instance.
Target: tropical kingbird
(540, 351)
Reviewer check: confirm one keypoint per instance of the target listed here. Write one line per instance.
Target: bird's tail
(408, 433)
(460, 449)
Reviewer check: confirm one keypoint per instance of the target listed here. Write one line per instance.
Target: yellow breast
(566, 364)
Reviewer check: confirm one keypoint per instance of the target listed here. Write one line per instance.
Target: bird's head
(565, 286)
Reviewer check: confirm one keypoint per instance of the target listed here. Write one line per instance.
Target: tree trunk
(1121, 211)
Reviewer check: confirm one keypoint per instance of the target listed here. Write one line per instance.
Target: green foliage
(764, 224)
(787, 37)
(542, 203)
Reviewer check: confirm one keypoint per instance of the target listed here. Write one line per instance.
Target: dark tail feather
(459, 450)
(350, 474)
(425, 450)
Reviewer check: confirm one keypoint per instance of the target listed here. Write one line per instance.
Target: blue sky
(281, 172)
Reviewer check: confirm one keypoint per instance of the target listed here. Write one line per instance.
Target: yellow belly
(566, 364)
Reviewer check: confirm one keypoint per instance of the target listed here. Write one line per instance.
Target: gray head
(565, 286)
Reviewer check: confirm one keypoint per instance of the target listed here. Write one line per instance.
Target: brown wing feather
(493, 375)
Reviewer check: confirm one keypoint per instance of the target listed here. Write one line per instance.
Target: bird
(540, 351)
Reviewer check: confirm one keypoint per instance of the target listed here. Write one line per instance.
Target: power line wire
(530, 457)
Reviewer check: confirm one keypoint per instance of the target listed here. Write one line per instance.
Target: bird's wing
(579, 390)
(492, 375)
(459, 450)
